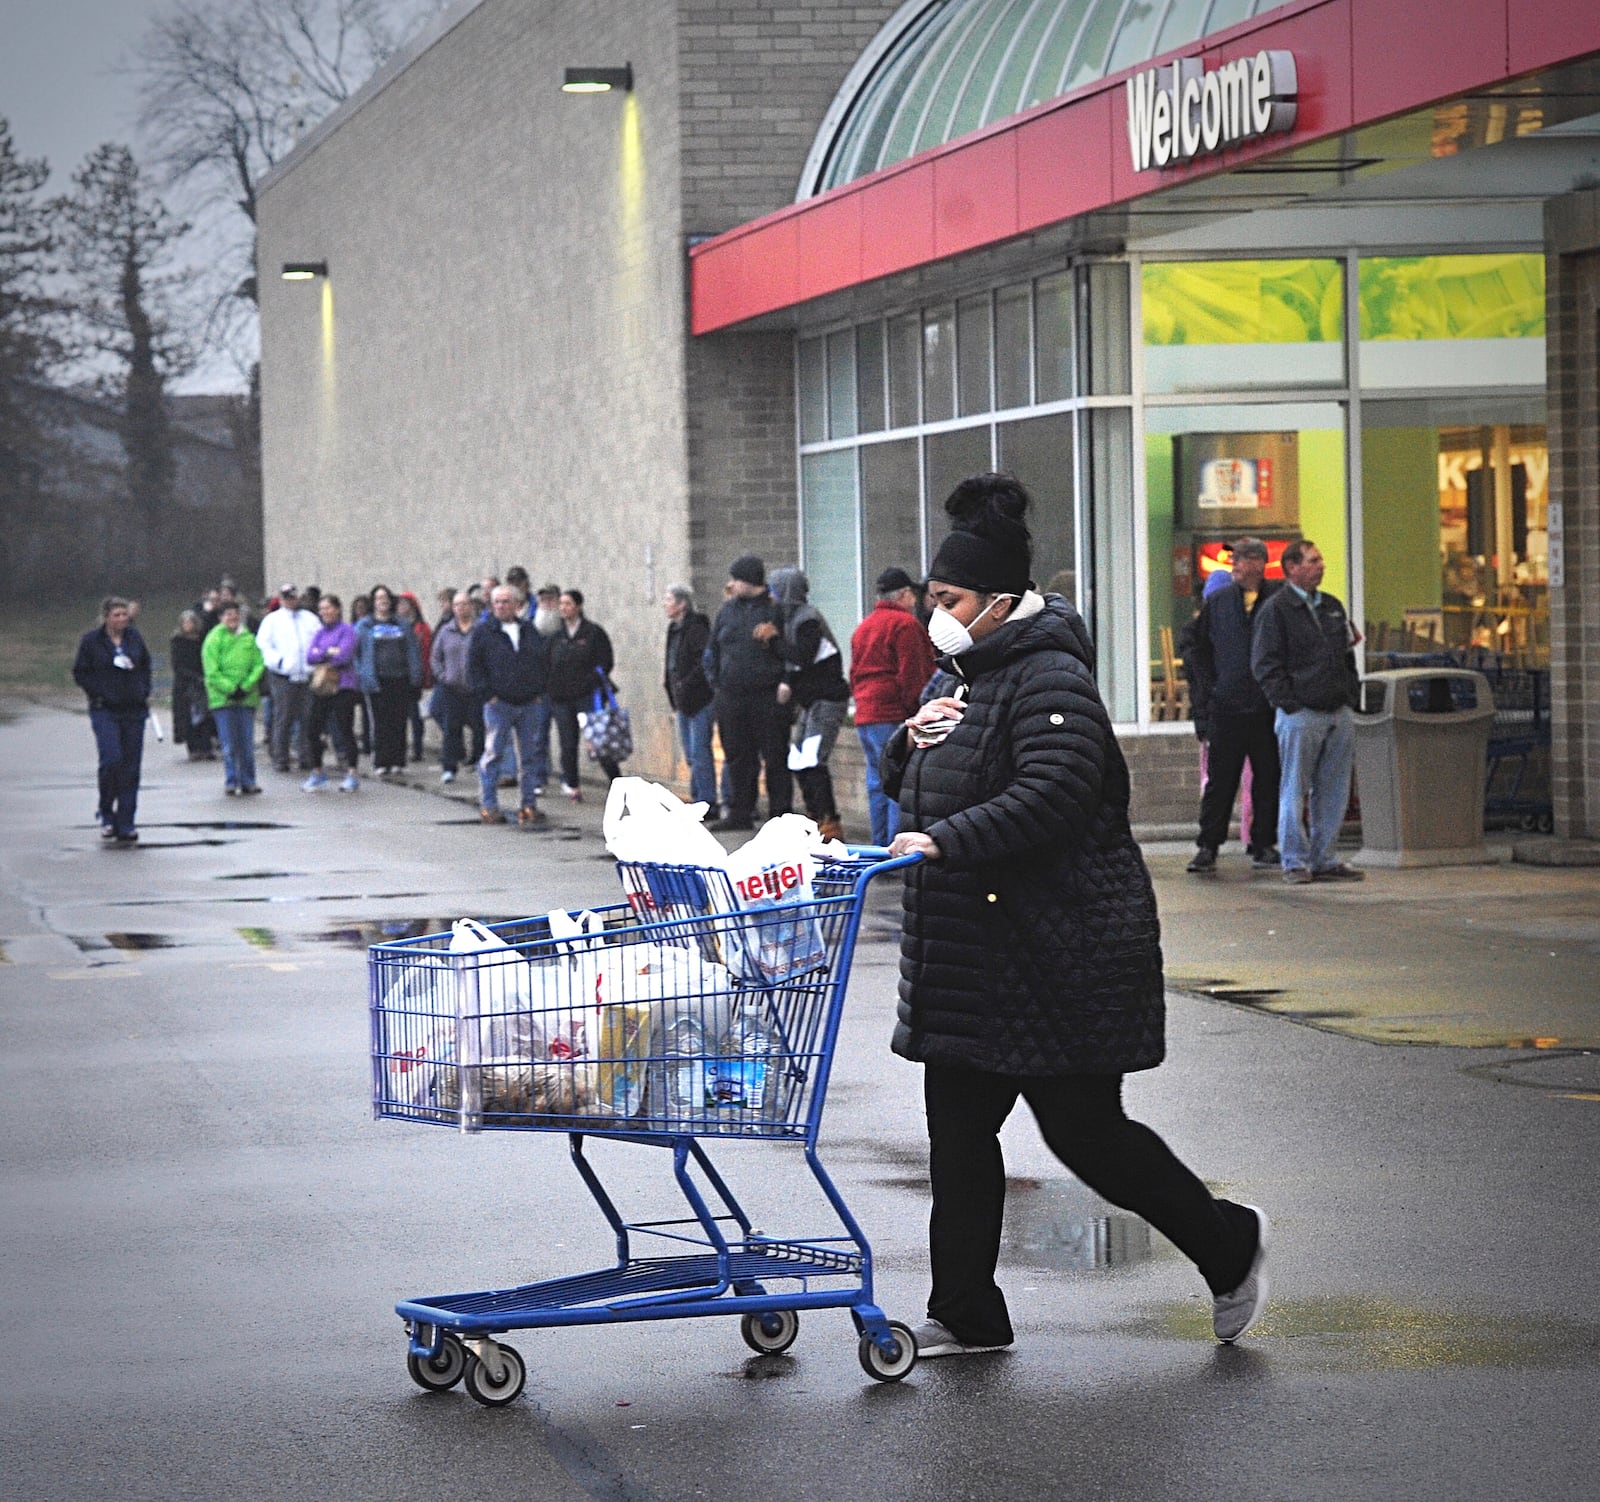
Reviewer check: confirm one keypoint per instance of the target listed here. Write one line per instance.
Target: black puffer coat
(1033, 946)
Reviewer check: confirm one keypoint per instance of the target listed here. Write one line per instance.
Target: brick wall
(756, 80)
(1572, 235)
(742, 484)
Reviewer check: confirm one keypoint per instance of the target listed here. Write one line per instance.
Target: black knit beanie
(990, 550)
(748, 569)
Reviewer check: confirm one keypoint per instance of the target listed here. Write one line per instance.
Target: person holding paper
(1030, 962)
(814, 674)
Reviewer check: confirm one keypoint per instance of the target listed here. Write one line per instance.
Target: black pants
(1236, 738)
(1081, 1119)
(461, 722)
(390, 707)
(755, 731)
(565, 713)
(334, 716)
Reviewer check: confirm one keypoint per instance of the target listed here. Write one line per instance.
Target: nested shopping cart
(680, 1017)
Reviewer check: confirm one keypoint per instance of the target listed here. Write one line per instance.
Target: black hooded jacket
(1033, 946)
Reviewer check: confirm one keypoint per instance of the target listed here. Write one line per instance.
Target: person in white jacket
(283, 638)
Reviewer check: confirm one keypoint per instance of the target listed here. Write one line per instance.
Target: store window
(1451, 321)
(1242, 325)
(1456, 547)
(938, 364)
(1455, 487)
(895, 412)
(842, 384)
(891, 512)
(831, 537)
(871, 390)
(1213, 473)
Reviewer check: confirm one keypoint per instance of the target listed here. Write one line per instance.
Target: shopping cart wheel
(440, 1372)
(490, 1392)
(771, 1332)
(883, 1367)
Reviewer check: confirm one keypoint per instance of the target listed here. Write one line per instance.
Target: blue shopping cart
(683, 1015)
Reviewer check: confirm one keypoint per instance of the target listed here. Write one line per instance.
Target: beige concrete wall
(493, 372)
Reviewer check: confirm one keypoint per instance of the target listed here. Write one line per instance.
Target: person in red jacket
(891, 660)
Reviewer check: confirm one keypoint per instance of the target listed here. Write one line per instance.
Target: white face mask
(950, 638)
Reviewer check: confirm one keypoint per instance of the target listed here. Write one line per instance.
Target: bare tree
(118, 240)
(226, 88)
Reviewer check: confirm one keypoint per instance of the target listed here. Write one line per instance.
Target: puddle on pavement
(387, 930)
(138, 943)
(1374, 1335)
(329, 897)
(1570, 1073)
(1060, 1226)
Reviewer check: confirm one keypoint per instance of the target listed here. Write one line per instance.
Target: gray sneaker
(933, 1339)
(1234, 1313)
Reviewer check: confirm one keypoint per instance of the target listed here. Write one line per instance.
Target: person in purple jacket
(334, 644)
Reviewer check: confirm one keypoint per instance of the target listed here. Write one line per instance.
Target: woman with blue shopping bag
(579, 651)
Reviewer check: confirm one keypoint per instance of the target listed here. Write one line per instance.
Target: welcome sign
(1181, 111)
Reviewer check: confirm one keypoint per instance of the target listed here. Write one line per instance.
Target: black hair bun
(993, 506)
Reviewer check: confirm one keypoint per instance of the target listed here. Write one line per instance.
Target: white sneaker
(573, 793)
(1234, 1313)
(933, 1339)
(447, 777)
(314, 783)
(350, 784)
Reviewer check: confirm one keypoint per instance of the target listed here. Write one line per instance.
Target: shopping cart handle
(884, 861)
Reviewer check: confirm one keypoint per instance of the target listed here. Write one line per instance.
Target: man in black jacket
(1304, 662)
(508, 667)
(745, 668)
(113, 669)
(688, 632)
(1231, 715)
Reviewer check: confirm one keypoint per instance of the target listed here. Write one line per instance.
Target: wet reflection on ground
(1060, 1225)
(359, 935)
(328, 897)
(1371, 1334)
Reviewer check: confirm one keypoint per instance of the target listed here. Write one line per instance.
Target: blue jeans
(236, 729)
(884, 810)
(504, 724)
(1316, 748)
(694, 735)
(119, 742)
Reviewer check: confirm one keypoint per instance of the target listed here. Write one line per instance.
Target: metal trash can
(1422, 740)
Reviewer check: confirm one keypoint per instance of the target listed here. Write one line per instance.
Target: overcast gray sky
(57, 84)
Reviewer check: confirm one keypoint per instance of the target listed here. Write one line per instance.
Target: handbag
(325, 680)
(607, 730)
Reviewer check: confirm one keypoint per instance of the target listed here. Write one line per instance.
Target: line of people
(359, 685)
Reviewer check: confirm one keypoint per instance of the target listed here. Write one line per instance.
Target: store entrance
(1455, 545)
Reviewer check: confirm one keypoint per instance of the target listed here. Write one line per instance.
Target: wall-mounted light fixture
(303, 271)
(598, 80)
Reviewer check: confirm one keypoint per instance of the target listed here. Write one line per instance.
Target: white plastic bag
(768, 873)
(647, 822)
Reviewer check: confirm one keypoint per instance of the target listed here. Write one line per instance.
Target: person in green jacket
(233, 668)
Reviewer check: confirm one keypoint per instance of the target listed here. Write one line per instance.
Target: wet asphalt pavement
(204, 1233)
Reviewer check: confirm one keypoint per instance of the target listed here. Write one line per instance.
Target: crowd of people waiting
(501, 665)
